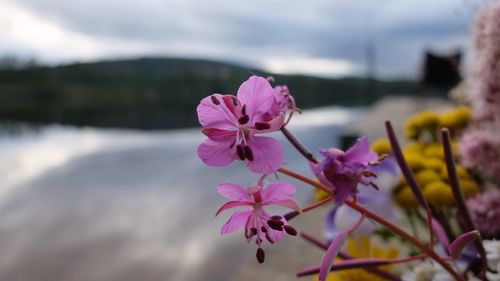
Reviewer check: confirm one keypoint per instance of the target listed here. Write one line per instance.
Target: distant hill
(154, 93)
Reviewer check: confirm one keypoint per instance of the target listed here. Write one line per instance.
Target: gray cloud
(252, 31)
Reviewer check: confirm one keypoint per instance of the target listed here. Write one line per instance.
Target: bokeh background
(99, 178)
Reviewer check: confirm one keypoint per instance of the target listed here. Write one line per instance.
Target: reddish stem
(405, 235)
(300, 148)
(384, 274)
(459, 196)
(293, 214)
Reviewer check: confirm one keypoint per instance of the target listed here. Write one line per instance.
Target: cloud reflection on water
(95, 204)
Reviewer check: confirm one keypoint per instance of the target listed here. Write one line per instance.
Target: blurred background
(99, 178)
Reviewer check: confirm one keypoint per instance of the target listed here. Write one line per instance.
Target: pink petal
(233, 192)
(213, 115)
(267, 153)
(235, 222)
(232, 204)
(361, 152)
(289, 203)
(257, 94)
(215, 153)
(278, 191)
(331, 254)
(275, 124)
(276, 235)
(441, 234)
(218, 134)
(462, 241)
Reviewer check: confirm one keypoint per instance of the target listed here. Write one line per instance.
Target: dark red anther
(248, 153)
(235, 100)
(262, 126)
(369, 174)
(275, 224)
(250, 232)
(243, 119)
(276, 217)
(263, 229)
(261, 256)
(240, 151)
(244, 110)
(269, 238)
(215, 100)
(290, 230)
(374, 185)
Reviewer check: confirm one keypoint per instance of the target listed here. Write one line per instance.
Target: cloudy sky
(319, 37)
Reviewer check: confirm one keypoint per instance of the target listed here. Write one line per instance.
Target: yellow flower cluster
(431, 174)
(429, 121)
(426, 159)
(362, 247)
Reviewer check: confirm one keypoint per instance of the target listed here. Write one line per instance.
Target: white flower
(427, 271)
(492, 248)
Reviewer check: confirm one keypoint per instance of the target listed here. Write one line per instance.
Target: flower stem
(293, 214)
(304, 179)
(459, 196)
(384, 274)
(291, 138)
(369, 214)
(407, 173)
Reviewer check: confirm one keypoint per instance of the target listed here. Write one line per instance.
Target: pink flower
(480, 150)
(343, 171)
(485, 212)
(256, 221)
(232, 123)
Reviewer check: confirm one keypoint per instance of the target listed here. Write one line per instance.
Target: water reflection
(94, 204)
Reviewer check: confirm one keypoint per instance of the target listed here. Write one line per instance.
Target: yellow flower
(428, 119)
(426, 176)
(412, 127)
(456, 118)
(434, 150)
(414, 147)
(461, 172)
(362, 247)
(438, 194)
(435, 164)
(381, 146)
(414, 160)
(469, 187)
(405, 198)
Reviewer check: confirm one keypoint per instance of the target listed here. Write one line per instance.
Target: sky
(328, 38)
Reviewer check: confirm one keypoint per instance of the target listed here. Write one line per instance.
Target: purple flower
(343, 171)
(231, 124)
(256, 221)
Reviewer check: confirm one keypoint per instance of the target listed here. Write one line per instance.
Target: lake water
(103, 204)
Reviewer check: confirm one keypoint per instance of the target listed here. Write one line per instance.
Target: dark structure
(441, 71)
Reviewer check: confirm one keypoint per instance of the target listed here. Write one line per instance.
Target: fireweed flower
(343, 171)
(231, 124)
(256, 221)
(380, 201)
